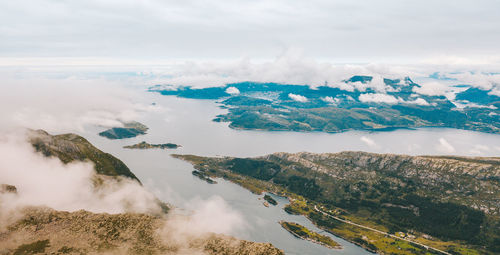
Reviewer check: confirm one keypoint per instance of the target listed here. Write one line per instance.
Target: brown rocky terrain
(43, 230)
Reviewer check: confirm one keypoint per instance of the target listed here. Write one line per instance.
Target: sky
(152, 31)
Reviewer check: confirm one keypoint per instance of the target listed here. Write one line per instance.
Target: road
(378, 231)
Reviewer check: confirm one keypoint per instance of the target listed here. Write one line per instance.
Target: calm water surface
(188, 123)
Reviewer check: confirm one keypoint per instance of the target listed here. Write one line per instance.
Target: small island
(306, 234)
(6, 188)
(144, 145)
(270, 200)
(203, 176)
(129, 130)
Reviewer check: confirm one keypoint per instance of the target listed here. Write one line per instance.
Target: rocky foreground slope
(42, 230)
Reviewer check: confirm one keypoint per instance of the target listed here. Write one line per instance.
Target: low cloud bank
(379, 98)
(66, 104)
(213, 215)
(292, 67)
(46, 181)
(389, 99)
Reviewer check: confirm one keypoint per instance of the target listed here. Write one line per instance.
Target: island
(270, 200)
(386, 203)
(5, 188)
(357, 103)
(144, 145)
(129, 130)
(203, 176)
(306, 234)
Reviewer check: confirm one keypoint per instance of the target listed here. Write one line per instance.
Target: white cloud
(66, 104)
(444, 146)
(479, 149)
(418, 101)
(465, 104)
(212, 215)
(232, 91)
(432, 88)
(297, 98)
(495, 92)
(368, 141)
(43, 181)
(331, 100)
(478, 79)
(379, 98)
(389, 99)
(378, 84)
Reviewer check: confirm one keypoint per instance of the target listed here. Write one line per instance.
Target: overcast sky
(342, 31)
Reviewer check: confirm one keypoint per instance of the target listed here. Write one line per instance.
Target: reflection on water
(188, 122)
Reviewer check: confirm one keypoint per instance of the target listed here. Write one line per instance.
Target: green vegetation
(129, 129)
(304, 233)
(32, 248)
(270, 200)
(72, 147)
(145, 145)
(432, 200)
(66, 250)
(259, 169)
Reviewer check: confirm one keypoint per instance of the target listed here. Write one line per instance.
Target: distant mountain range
(358, 103)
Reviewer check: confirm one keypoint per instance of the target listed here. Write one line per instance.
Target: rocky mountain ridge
(470, 180)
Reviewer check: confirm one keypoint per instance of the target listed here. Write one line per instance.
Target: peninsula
(386, 203)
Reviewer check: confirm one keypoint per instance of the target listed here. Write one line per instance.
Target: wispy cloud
(379, 98)
(368, 141)
(66, 104)
(43, 181)
(444, 146)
